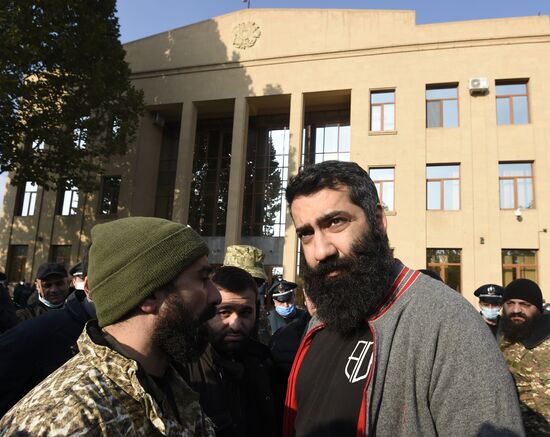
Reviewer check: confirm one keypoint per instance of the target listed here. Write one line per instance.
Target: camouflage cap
(248, 258)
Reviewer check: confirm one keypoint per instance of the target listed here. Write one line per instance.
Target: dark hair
(431, 274)
(333, 175)
(235, 280)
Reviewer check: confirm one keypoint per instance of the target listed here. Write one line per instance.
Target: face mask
(49, 304)
(490, 313)
(79, 286)
(286, 311)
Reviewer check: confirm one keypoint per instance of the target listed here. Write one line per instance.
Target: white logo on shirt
(355, 370)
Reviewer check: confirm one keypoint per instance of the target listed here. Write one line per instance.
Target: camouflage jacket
(98, 392)
(529, 362)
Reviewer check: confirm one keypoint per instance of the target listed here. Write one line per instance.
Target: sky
(141, 18)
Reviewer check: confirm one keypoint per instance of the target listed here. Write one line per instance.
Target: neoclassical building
(450, 119)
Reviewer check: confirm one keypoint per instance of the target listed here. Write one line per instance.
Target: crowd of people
(145, 337)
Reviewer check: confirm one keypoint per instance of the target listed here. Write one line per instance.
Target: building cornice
(318, 56)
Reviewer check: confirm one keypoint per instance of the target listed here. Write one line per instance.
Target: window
(60, 254)
(382, 111)
(26, 199)
(512, 102)
(441, 106)
(516, 185)
(264, 213)
(166, 178)
(443, 187)
(446, 263)
(332, 142)
(210, 184)
(80, 133)
(67, 201)
(518, 263)
(326, 136)
(383, 178)
(17, 260)
(108, 199)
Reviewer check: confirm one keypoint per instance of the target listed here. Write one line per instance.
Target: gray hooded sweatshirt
(437, 368)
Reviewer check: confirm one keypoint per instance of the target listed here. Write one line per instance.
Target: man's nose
(323, 247)
(213, 296)
(235, 322)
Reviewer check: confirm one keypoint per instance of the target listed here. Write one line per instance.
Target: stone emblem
(245, 35)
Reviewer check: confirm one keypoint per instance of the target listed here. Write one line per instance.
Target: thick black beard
(180, 334)
(516, 331)
(345, 301)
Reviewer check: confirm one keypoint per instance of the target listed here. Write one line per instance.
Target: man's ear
(152, 303)
(87, 289)
(381, 219)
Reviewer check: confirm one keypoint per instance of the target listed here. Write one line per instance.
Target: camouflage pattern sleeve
(531, 371)
(98, 393)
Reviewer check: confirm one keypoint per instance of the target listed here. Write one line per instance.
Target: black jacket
(285, 343)
(8, 318)
(237, 394)
(33, 308)
(35, 348)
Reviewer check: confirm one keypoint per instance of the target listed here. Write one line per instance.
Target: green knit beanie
(132, 257)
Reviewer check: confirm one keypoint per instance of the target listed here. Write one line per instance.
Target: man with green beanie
(150, 281)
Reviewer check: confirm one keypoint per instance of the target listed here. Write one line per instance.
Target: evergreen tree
(66, 102)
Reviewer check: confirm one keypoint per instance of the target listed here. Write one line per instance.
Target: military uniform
(529, 362)
(101, 392)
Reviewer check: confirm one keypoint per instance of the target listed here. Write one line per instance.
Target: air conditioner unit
(478, 85)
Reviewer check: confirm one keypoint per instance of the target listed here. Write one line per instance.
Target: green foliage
(63, 83)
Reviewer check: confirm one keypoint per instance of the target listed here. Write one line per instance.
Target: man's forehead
(52, 278)
(521, 301)
(326, 199)
(230, 297)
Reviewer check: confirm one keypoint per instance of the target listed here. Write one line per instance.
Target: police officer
(490, 304)
(282, 293)
(78, 277)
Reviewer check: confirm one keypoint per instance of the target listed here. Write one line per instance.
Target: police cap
(490, 293)
(282, 290)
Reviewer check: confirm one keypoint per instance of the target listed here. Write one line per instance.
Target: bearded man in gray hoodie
(394, 352)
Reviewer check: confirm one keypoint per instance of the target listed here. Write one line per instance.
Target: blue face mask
(286, 311)
(490, 313)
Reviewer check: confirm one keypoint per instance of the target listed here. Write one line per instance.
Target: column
(184, 172)
(237, 173)
(294, 160)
